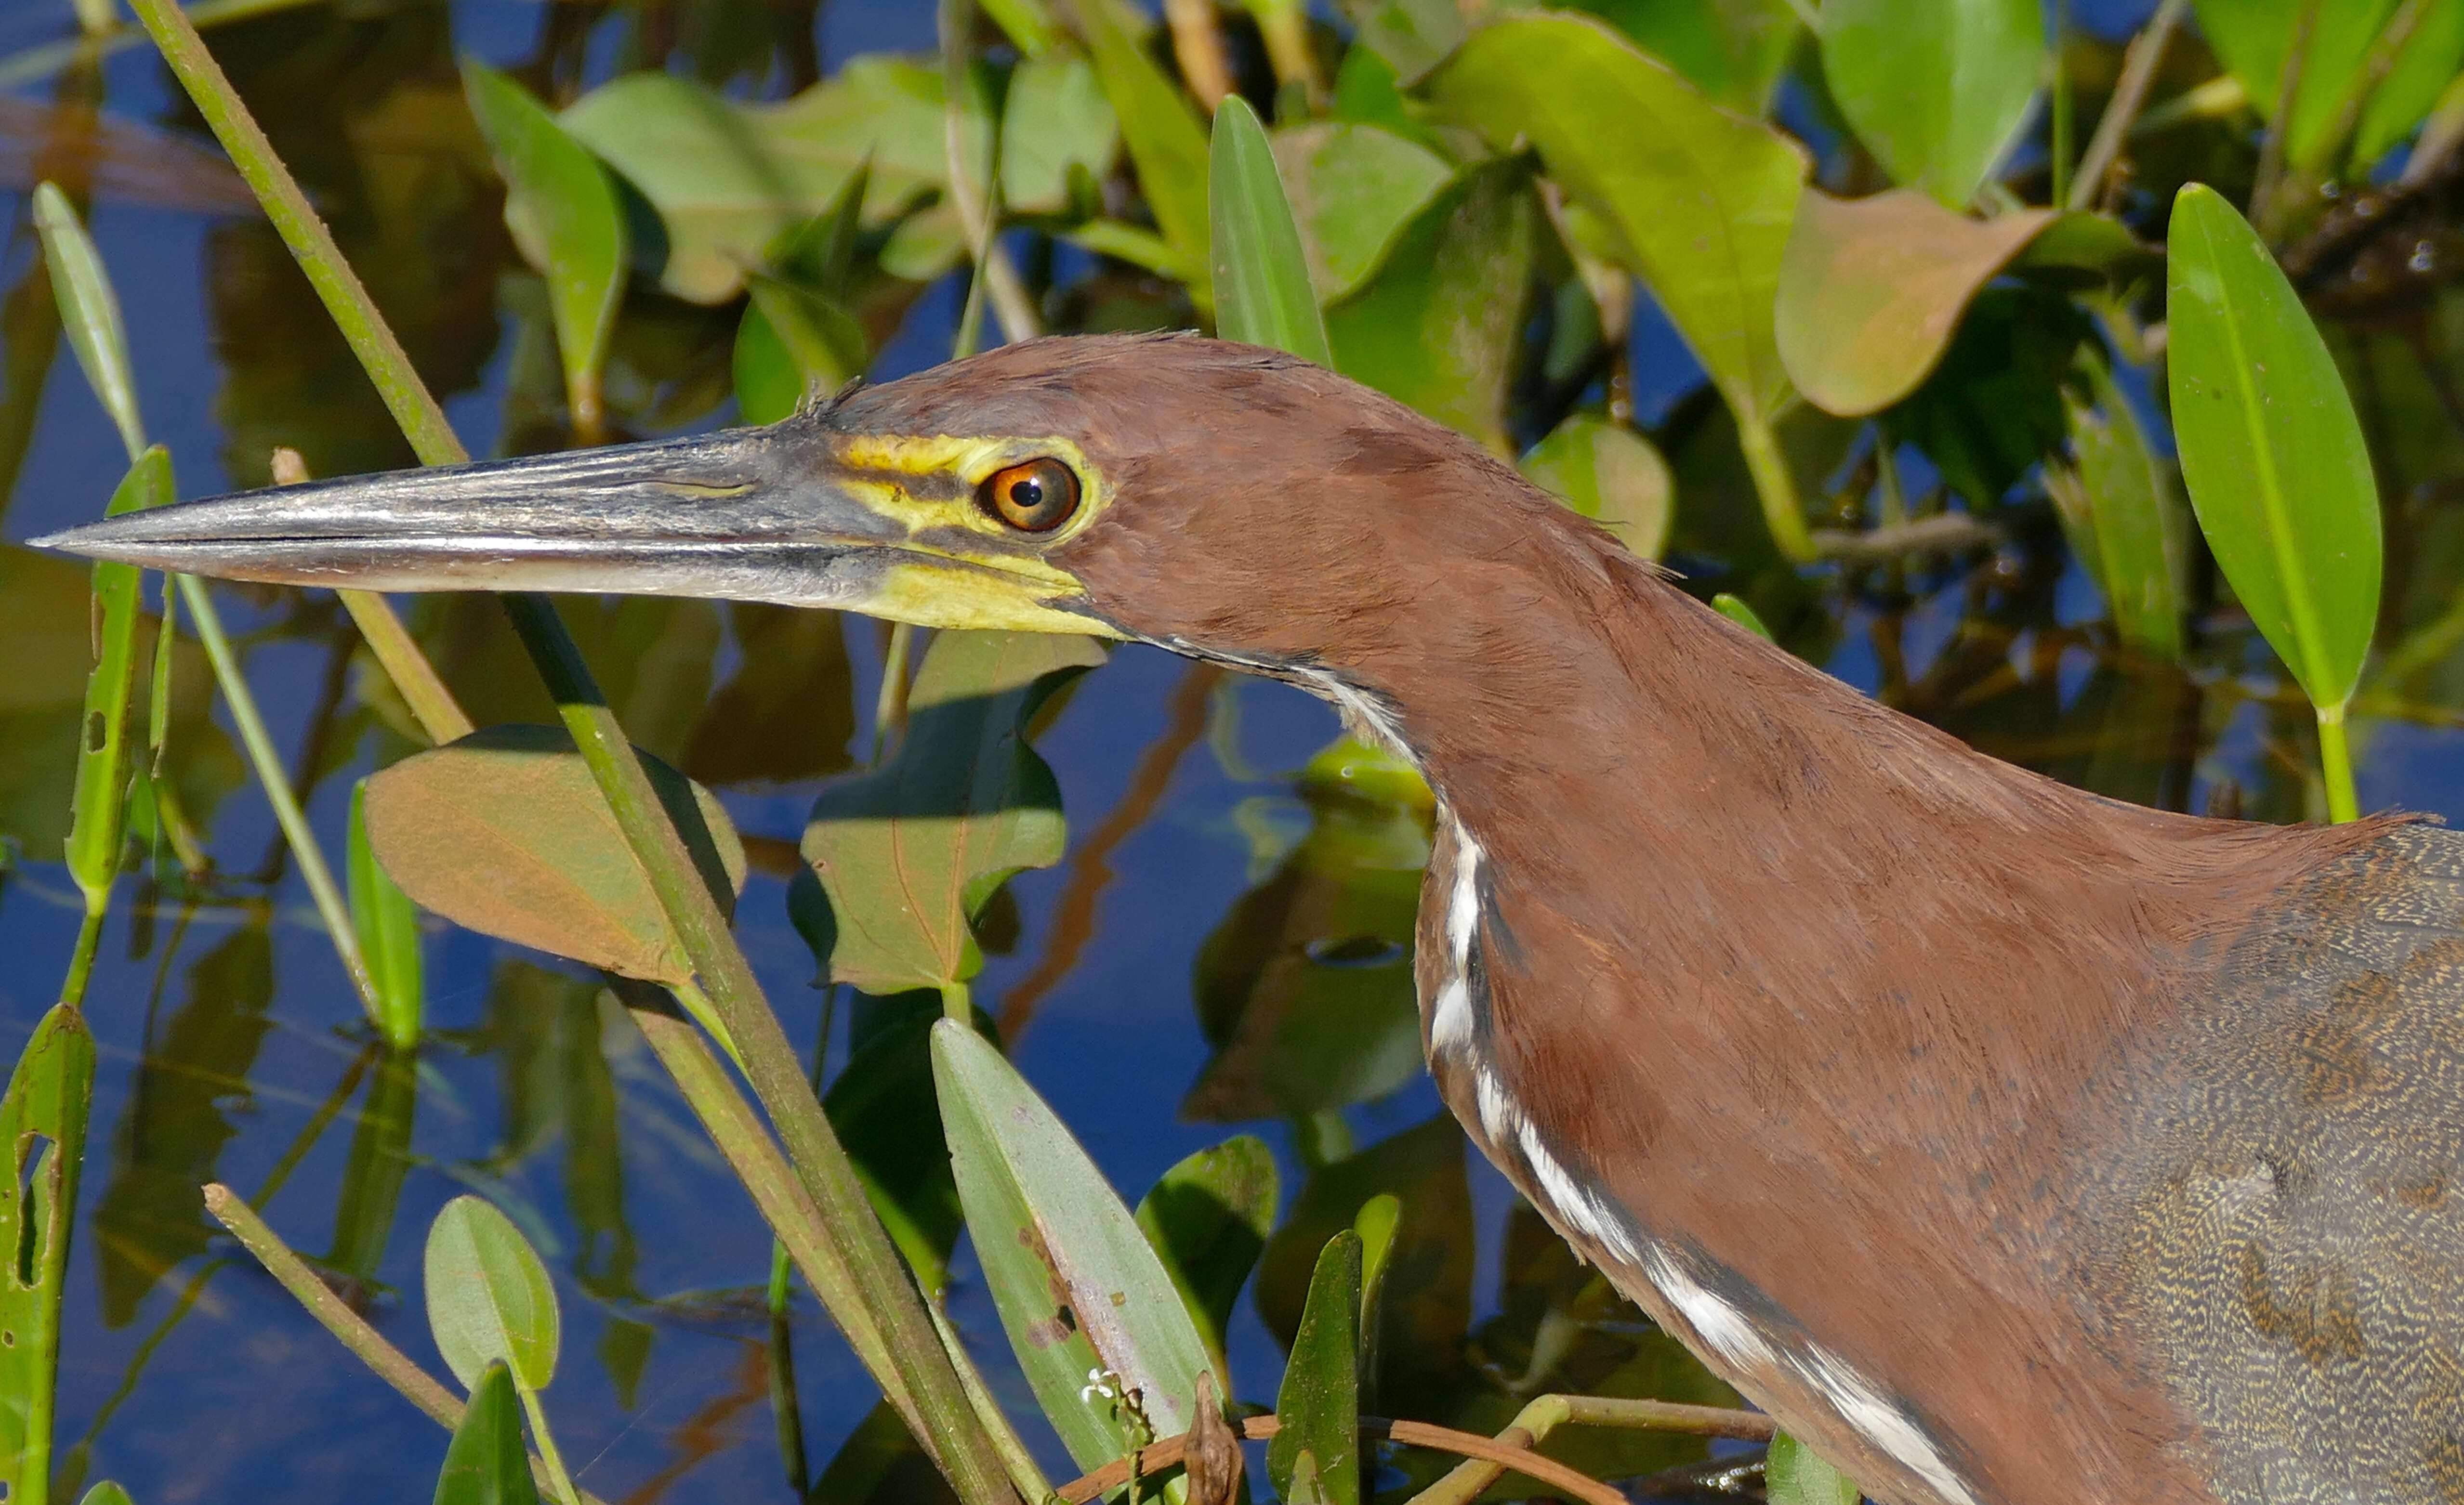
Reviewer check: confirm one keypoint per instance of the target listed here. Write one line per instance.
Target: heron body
(2008, 1143)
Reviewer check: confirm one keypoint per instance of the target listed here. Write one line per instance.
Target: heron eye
(1036, 496)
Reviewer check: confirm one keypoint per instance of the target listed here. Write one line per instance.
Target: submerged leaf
(505, 831)
(489, 1297)
(1938, 89)
(1872, 289)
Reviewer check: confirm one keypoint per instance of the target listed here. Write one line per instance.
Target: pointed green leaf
(561, 207)
(43, 1131)
(1166, 141)
(489, 1297)
(1353, 188)
(106, 1494)
(505, 831)
(1263, 294)
(387, 923)
(1797, 1477)
(89, 311)
(2271, 450)
(1871, 290)
(1735, 609)
(908, 853)
(1208, 1218)
(1735, 51)
(1609, 473)
(1319, 1404)
(1091, 1313)
(1937, 89)
(95, 830)
(2123, 513)
(486, 1463)
(1055, 121)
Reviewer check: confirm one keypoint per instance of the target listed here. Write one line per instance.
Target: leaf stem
(2129, 96)
(2336, 765)
(1774, 485)
(559, 1479)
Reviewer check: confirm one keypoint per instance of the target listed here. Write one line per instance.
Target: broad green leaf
(1735, 51)
(96, 829)
(388, 928)
(489, 1297)
(908, 852)
(1162, 131)
(505, 831)
(1319, 1403)
(822, 338)
(562, 210)
(486, 1463)
(728, 179)
(1871, 290)
(2251, 38)
(1353, 188)
(89, 311)
(1054, 121)
(106, 1494)
(1701, 200)
(1937, 89)
(1797, 1477)
(2271, 451)
(1208, 1218)
(1439, 329)
(2123, 514)
(1263, 294)
(1091, 1313)
(1609, 473)
(1735, 609)
(43, 1125)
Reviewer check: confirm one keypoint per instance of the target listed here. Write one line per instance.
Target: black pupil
(1027, 495)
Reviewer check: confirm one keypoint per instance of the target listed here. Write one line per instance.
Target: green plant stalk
(2335, 764)
(959, 1003)
(2267, 187)
(917, 1364)
(559, 1480)
(996, 276)
(2376, 65)
(1774, 486)
(391, 1365)
(331, 906)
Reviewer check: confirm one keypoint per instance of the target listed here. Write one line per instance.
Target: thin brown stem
(2130, 96)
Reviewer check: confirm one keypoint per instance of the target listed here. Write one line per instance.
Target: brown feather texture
(2008, 1143)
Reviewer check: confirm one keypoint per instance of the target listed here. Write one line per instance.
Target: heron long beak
(746, 515)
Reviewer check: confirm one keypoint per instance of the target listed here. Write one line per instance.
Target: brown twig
(1198, 46)
(2129, 94)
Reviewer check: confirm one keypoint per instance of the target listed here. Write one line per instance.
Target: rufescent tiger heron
(2007, 1142)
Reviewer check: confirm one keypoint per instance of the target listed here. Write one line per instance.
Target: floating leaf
(1319, 1404)
(388, 924)
(2271, 451)
(486, 1463)
(1262, 293)
(1439, 329)
(1353, 188)
(1609, 473)
(1208, 1218)
(489, 1297)
(89, 311)
(42, 1129)
(505, 831)
(1937, 89)
(908, 852)
(1798, 1477)
(2251, 38)
(1091, 1313)
(1871, 290)
(2120, 504)
(1166, 141)
(96, 829)
(1055, 121)
(562, 212)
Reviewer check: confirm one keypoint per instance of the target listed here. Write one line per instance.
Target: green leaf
(822, 340)
(486, 1463)
(561, 209)
(2251, 38)
(489, 1297)
(882, 1106)
(2271, 451)
(1055, 121)
(1378, 1222)
(1796, 1476)
(1091, 1314)
(106, 1494)
(90, 311)
(505, 831)
(2123, 513)
(1166, 141)
(1411, 36)
(1208, 1218)
(1609, 473)
(1871, 290)
(1735, 609)
(96, 827)
(1735, 51)
(1263, 294)
(43, 1127)
(1353, 188)
(388, 924)
(1937, 89)
(1439, 327)
(908, 852)
(1319, 1404)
